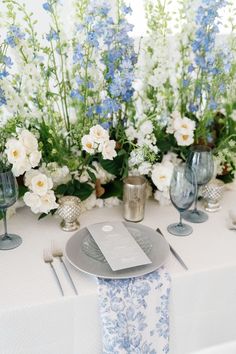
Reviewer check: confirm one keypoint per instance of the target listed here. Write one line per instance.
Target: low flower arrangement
(81, 112)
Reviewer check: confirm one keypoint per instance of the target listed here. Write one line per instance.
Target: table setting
(117, 178)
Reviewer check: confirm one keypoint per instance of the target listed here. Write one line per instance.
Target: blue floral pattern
(134, 314)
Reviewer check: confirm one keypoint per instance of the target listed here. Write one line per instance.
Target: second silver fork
(58, 253)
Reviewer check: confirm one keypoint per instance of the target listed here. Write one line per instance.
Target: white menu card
(117, 245)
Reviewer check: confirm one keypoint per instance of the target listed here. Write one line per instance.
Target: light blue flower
(47, 7)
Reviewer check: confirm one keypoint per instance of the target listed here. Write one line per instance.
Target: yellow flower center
(15, 153)
(89, 145)
(162, 177)
(184, 126)
(40, 183)
(185, 137)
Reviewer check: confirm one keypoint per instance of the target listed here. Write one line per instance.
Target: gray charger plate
(83, 253)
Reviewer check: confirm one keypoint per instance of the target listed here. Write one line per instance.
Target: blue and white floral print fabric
(134, 314)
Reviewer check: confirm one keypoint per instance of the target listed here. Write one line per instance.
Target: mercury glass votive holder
(212, 194)
(69, 210)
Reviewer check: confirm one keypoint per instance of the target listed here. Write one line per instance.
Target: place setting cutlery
(173, 251)
(57, 252)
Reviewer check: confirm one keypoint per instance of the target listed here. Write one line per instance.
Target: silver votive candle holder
(69, 210)
(134, 198)
(212, 194)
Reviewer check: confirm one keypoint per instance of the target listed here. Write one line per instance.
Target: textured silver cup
(212, 194)
(69, 210)
(134, 198)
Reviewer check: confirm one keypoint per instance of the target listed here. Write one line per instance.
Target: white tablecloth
(34, 318)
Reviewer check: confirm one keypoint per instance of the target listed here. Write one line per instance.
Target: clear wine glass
(201, 161)
(8, 196)
(183, 188)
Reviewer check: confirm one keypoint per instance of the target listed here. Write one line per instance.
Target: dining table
(36, 319)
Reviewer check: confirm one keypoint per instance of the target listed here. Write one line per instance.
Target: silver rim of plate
(83, 253)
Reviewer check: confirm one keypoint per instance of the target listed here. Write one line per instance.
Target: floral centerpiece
(81, 111)
(64, 100)
(185, 92)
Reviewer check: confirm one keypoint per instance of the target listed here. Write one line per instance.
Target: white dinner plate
(83, 253)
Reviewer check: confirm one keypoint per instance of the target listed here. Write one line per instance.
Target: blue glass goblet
(183, 189)
(201, 161)
(8, 196)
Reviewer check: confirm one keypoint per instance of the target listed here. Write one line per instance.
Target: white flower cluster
(40, 198)
(58, 174)
(182, 128)
(98, 141)
(22, 152)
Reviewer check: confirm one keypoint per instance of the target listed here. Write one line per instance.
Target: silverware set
(173, 251)
(48, 257)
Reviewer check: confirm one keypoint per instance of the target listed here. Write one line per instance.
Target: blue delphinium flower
(111, 44)
(14, 35)
(208, 61)
(52, 35)
(47, 7)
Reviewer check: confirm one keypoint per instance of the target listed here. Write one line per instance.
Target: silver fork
(47, 257)
(58, 253)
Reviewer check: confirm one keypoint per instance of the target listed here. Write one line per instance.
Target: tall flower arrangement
(185, 99)
(64, 100)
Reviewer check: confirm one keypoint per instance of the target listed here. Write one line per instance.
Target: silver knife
(175, 254)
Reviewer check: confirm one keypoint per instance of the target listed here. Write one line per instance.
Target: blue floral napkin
(134, 314)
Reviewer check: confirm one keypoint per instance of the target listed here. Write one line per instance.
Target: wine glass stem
(196, 199)
(180, 220)
(4, 211)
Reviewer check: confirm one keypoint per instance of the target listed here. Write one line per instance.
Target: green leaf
(22, 190)
(113, 189)
(115, 166)
(76, 188)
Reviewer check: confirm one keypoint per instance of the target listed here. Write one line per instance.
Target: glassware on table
(183, 189)
(69, 210)
(212, 193)
(134, 198)
(201, 161)
(8, 196)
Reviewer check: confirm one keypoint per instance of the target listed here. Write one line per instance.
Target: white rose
(29, 141)
(161, 175)
(35, 158)
(33, 201)
(99, 134)
(29, 175)
(108, 149)
(184, 125)
(48, 202)
(185, 139)
(40, 184)
(88, 144)
(21, 167)
(15, 151)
